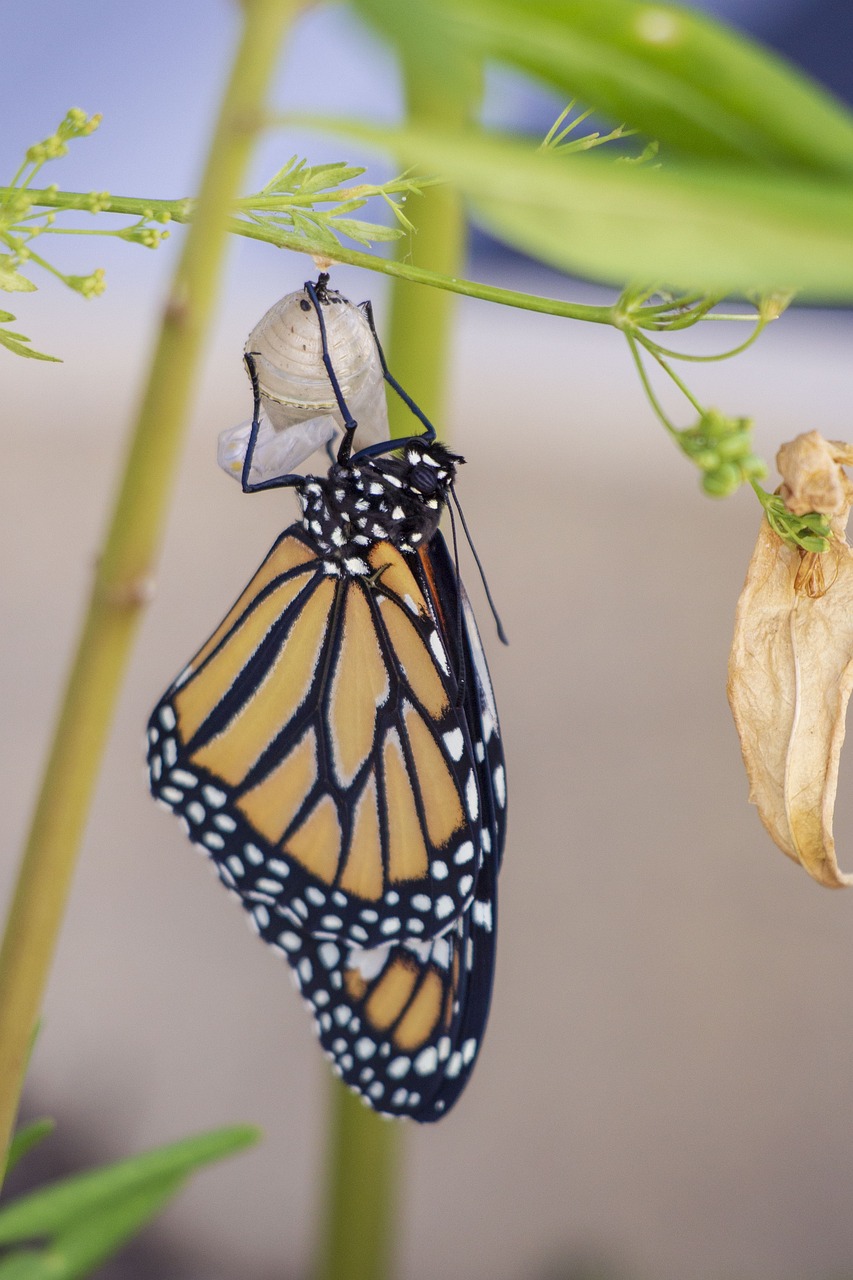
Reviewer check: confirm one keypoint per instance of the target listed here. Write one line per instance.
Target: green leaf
(676, 75)
(60, 1206)
(365, 233)
(16, 343)
(323, 177)
(25, 1265)
(313, 229)
(717, 229)
(27, 1138)
(11, 280)
(89, 1242)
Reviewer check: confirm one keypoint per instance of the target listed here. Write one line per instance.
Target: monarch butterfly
(334, 748)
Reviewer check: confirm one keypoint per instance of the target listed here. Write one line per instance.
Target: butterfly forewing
(315, 750)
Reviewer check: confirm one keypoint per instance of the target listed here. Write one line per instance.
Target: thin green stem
(32, 256)
(122, 578)
(682, 386)
(760, 325)
(182, 211)
(647, 386)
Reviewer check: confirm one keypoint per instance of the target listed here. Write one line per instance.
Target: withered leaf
(791, 664)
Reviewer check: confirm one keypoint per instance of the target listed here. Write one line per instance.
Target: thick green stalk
(362, 1206)
(122, 580)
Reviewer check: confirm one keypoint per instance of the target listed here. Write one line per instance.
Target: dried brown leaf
(791, 664)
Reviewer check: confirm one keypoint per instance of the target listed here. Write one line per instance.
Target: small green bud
(753, 467)
(735, 446)
(91, 286)
(97, 201)
(707, 459)
(723, 481)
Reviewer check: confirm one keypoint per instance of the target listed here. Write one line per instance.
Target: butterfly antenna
(460, 622)
(501, 633)
(316, 293)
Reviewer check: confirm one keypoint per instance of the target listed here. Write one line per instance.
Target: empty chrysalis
(299, 412)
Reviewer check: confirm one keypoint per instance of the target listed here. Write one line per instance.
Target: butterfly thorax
(394, 499)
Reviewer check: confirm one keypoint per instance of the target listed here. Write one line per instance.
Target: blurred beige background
(664, 1083)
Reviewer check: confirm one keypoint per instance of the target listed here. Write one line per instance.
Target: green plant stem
(361, 1211)
(122, 579)
(655, 352)
(361, 1192)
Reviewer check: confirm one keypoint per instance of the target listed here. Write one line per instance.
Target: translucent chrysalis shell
(299, 412)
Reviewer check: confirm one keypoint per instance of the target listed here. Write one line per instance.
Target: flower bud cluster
(722, 449)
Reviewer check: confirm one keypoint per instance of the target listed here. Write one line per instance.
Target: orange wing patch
(287, 554)
(417, 1023)
(440, 794)
(317, 843)
(360, 685)
(272, 805)
(414, 658)
(395, 575)
(392, 992)
(195, 699)
(363, 874)
(283, 689)
(407, 853)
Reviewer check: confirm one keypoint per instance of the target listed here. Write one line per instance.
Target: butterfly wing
(314, 749)
(403, 1023)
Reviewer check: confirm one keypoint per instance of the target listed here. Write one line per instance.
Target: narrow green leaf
(327, 176)
(693, 227)
(89, 1242)
(677, 75)
(346, 206)
(365, 233)
(60, 1205)
(83, 1247)
(26, 1264)
(16, 343)
(27, 1138)
(313, 229)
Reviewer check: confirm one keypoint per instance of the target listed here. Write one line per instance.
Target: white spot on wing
(438, 649)
(472, 800)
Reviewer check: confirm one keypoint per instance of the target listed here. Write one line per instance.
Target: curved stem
(760, 325)
(123, 575)
(682, 386)
(647, 386)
